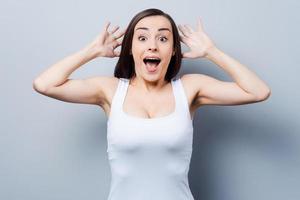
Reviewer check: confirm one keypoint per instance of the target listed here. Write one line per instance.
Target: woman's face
(152, 40)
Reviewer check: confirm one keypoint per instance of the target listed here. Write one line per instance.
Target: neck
(148, 86)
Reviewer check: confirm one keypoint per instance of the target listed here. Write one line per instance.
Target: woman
(150, 112)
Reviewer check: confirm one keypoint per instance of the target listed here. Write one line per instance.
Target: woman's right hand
(106, 42)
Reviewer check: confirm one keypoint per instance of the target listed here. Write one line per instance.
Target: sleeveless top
(149, 158)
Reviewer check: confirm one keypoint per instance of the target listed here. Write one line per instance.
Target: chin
(154, 78)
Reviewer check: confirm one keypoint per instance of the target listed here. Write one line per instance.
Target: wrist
(88, 53)
(212, 52)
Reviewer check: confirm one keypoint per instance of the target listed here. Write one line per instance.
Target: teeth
(151, 59)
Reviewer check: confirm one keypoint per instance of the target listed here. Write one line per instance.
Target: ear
(173, 53)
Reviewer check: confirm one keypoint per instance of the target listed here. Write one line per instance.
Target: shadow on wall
(235, 152)
(242, 151)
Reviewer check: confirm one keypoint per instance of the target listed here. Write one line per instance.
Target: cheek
(167, 53)
(168, 48)
(137, 54)
(137, 49)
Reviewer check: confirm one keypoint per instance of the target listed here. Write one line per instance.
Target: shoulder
(103, 82)
(109, 83)
(106, 86)
(193, 80)
(194, 84)
(194, 77)
(191, 84)
(196, 81)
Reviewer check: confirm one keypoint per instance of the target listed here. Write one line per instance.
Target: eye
(163, 39)
(141, 38)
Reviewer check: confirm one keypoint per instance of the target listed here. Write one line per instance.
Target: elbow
(264, 95)
(38, 86)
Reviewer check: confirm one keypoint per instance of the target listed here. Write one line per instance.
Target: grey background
(53, 150)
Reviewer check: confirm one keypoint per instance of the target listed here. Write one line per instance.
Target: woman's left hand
(197, 40)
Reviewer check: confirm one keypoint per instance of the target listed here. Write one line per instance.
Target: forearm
(58, 73)
(244, 77)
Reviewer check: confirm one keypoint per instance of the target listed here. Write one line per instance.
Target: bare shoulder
(191, 81)
(193, 78)
(196, 81)
(191, 90)
(108, 85)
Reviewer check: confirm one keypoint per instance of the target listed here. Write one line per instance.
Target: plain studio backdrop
(54, 150)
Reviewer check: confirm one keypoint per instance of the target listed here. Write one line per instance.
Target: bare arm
(54, 81)
(58, 73)
(246, 81)
(247, 86)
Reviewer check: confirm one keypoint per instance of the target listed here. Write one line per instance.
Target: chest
(149, 106)
(138, 104)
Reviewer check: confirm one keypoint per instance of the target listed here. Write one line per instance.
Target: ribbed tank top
(149, 158)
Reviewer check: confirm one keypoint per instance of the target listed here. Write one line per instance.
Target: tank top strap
(182, 100)
(119, 96)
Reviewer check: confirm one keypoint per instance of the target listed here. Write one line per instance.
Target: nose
(152, 49)
(152, 45)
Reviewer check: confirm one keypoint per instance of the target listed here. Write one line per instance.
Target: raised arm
(247, 86)
(55, 82)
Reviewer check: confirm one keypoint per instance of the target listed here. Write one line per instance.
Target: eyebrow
(160, 29)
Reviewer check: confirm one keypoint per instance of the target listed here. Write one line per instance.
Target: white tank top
(149, 157)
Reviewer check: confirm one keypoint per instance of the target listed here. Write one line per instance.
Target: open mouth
(151, 63)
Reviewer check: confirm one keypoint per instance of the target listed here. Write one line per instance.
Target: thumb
(117, 53)
(187, 55)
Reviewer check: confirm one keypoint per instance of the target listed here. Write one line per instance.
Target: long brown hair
(125, 65)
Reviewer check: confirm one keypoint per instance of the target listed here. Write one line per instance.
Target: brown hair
(125, 65)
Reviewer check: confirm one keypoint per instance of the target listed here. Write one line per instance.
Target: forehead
(153, 23)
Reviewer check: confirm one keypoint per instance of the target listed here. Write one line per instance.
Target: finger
(184, 39)
(183, 30)
(187, 55)
(120, 34)
(117, 53)
(114, 30)
(120, 40)
(188, 28)
(199, 25)
(113, 38)
(106, 26)
(116, 44)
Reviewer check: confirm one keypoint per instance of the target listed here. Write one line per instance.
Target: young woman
(149, 110)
